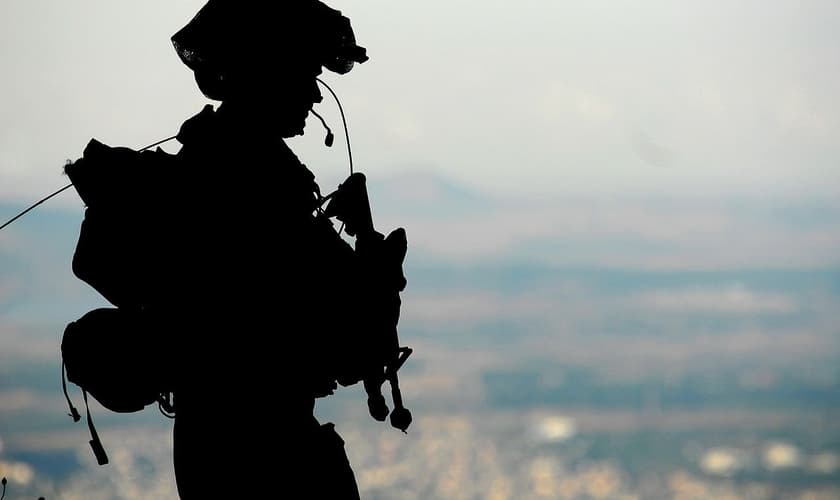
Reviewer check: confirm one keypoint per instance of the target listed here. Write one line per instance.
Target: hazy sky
(533, 96)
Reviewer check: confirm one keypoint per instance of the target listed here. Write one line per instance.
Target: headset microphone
(328, 141)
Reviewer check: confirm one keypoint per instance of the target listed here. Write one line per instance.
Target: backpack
(114, 354)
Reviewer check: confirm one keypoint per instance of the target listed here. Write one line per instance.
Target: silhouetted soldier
(234, 291)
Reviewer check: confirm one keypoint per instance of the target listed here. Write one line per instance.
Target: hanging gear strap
(95, 443)
(74, 413)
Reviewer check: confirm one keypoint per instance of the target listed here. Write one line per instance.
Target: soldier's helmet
(273, 36)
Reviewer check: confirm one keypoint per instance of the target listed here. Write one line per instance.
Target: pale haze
(531, 97)
(624, 242)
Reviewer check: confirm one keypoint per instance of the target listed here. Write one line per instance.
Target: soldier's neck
(253, 121)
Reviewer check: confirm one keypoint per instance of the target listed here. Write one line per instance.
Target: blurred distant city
(610, 348)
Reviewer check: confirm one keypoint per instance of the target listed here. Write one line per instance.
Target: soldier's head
(262, 57)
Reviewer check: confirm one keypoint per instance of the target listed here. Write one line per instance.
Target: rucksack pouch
(111, 354)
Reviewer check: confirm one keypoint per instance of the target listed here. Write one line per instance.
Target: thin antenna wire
(158, 143)
(18, 216)
(346, 138)
(343, 120)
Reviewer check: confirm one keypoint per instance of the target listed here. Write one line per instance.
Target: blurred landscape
(579, 347)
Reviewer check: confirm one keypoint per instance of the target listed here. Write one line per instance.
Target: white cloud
(18, 400)
(19, 343)
(731, 299)
(141, 467)
(472, 307)
(17, 472)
